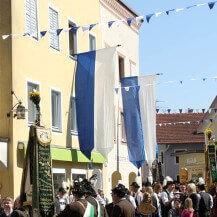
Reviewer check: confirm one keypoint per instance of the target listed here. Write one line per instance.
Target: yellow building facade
(47, 64)
(28, 60)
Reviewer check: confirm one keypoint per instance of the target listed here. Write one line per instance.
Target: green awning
(75, 156)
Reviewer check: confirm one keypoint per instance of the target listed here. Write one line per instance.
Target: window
(59, 176)
(31, 18)
(162, 157)
(123, 128)
(121, 67)
(92, 42)
(73, 116)
(72, 40)
(177, 159)
(31, 106)
(78, 174)
(56, 110)
(54, 37)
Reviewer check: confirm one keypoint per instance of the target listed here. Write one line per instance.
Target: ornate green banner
(45, 181)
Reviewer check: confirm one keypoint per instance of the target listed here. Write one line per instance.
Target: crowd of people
(158, 200)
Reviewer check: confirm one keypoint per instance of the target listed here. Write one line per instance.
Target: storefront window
(59, 176)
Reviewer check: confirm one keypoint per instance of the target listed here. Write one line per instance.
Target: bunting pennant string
(181, 111)
(211, 120)
(129, 21)
(181, 82)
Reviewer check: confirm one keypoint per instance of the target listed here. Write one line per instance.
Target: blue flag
(132, 120)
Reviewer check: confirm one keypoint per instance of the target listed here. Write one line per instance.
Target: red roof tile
(179, 133)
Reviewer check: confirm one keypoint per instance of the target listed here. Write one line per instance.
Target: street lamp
(18, 109)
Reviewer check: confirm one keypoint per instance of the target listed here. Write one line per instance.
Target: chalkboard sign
(45, 182)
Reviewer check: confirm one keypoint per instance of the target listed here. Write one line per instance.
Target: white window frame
(53, 9)
(177, 151)
(34, 83)
(75, 35)
(29, 31)
(59, 128)
(73, 131)
(132, 63)
(124, 59)
(89, 36)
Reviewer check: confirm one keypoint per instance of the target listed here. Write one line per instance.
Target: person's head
(183, 188)
(134, 187)
(170, 186)
(17, 203)
(158, 188)
(188, 203)
(8, 204)
(177, 204)
(118, 192)
(201, 187)
(78, 190)
(61, 191)
(191, 188)
(149, 190)
(89, 191)
(146, 197)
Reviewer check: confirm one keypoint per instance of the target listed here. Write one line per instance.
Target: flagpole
(118, 134)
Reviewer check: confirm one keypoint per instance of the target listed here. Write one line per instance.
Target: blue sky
(181, 46)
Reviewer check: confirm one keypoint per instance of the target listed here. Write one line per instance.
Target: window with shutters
(31, 18)
(124, 139)
(121, 67)
(56, 110)
(73, 116)
(31, 106)
(72, 39)
(54, 36)
(92, 42)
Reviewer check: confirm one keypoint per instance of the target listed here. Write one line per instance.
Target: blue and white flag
(94, 92)
(140, 118)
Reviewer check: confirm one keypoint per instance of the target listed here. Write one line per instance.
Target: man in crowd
(167, 196)
(121, 207)
(205, 200)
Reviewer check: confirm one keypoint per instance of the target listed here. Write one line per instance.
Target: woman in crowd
(156, 199)
(192, 193)
(188, 211)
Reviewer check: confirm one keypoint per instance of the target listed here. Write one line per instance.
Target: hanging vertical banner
(132, 120)
(37, 182)
(148, 115)
(94, 93)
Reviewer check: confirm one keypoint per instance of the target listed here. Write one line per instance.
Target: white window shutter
(54, 38)
(31, 18)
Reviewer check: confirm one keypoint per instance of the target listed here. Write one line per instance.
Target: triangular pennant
(110, 23)
(129, 21)
(43, 33)
(59, 31)
(74, 29)
(191, 6)
(181, 82)
(148, 17)
(211, 5)
(91, 26)
(5, 37)
(179, 9)
(85, 28)
(168, 12)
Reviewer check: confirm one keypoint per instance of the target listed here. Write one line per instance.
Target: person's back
(204, 204)
(123, 209)
(75, 209)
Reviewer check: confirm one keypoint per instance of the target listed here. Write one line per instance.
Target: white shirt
(164, 196)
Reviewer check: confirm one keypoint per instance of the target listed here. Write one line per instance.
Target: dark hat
(62, 190)
(134, 184)
(78, 189)
(88, 188)
(120, 191)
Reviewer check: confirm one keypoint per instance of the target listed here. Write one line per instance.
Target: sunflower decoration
(35, 97)
(208, 133)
